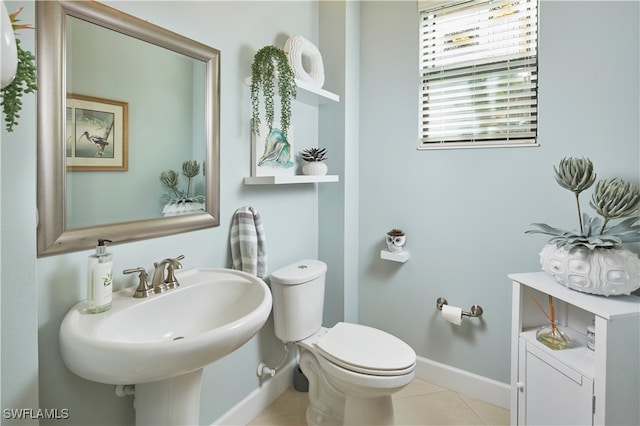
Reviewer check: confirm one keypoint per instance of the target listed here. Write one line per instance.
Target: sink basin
(212, 313)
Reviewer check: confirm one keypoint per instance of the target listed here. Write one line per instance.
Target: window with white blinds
(479, 73)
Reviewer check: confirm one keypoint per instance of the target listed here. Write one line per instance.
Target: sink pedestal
(174, 401)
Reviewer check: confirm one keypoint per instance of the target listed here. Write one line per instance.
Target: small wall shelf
(308, 94)
(401, 257)
(281, 180)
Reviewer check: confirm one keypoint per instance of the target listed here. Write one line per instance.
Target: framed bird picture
(96, 134)
(272, 152)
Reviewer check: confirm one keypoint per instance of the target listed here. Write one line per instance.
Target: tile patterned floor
(420, 403)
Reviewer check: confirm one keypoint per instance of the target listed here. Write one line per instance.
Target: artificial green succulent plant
(314, 154)
(612, 199)
(171, 179)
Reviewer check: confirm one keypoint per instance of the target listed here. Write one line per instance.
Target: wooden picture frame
(96, 134)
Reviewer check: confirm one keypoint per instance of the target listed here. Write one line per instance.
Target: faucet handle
(171, 281)
(144, 289)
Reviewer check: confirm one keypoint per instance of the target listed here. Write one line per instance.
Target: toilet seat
(366, 350)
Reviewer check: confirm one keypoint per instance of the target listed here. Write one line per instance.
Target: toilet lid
(366, 350)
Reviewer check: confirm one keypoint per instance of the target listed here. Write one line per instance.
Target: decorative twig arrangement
(555, 332)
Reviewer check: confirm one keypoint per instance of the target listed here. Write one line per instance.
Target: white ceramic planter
(602, 271)
(8, 48)
(396, 244)
(175, 209)
(314, 168)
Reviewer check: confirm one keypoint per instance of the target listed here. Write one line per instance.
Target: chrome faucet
(161, 282)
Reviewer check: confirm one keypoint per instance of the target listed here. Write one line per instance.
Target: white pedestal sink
(161, 343)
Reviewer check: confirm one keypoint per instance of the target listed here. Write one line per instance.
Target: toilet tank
(298, 299)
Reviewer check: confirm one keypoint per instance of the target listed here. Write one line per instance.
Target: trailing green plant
(612, 199)
(171, 179)
(314, 154)
(266, 62)
(23, 82)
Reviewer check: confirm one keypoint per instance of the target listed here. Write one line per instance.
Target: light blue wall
(338, 128)
(36, 293)
(19, 321)
(465, 211)
(117, 67)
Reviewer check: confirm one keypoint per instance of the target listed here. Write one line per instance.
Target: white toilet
(352, 369)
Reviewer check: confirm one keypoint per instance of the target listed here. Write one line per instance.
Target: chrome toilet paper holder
(476, 310)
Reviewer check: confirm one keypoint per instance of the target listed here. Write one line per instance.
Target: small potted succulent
(179, 201)
(270, 63)
(313, 158)
(592, 259)
(396, 240)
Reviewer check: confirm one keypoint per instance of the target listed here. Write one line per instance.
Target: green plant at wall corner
(23, 82)
(171, 180)
(270, 63)
(612, 199)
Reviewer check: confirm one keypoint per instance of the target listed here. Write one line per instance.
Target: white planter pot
(175, 209)
(8, 48)
(608, 272)
(396, 244)
(314, 168)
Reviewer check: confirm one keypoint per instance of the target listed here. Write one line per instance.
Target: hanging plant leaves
(266, 62)
(24, 81)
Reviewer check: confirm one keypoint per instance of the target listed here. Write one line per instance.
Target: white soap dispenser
(99, 279)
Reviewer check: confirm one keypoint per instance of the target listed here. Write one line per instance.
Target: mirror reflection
(122, 102)
(127, 123)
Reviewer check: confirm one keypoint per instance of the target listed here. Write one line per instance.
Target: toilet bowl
(352, 369)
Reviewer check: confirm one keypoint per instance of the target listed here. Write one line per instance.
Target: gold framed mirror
(78, 205)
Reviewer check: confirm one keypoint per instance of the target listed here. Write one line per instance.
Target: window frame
(475, 71)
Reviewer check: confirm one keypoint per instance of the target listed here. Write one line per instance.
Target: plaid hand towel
(248, 243)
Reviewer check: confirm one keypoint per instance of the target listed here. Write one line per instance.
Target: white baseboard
(260, 398)
(479, 387)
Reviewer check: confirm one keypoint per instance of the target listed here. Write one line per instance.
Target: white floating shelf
(281, 180)
(313, 96)
(308, 94)
(401, 257)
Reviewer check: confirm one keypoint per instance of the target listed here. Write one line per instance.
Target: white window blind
(479, 73)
